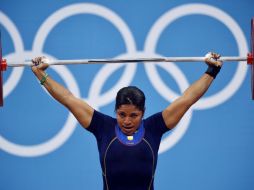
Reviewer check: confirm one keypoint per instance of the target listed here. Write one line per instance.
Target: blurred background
(41, 144)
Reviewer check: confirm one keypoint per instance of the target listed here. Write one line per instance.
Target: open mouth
(127, 129)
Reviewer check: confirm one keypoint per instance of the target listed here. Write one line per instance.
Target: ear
(143, 113)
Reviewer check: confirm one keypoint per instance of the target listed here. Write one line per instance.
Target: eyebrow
(134, 112)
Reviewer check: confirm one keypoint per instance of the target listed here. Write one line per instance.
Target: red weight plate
(1, 75)
(252, 52)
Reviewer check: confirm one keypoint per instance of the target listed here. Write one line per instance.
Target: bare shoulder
(82, 111)
(175, 111)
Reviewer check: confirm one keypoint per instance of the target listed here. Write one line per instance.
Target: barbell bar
(249, 59)
(129, 60)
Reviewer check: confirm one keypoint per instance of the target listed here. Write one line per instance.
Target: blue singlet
(128, 163)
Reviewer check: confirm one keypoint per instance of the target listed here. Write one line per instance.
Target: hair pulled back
(130, 95)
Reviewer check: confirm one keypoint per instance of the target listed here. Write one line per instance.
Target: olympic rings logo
(95, 97)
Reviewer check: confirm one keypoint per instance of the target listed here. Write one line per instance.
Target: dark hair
(130, 95)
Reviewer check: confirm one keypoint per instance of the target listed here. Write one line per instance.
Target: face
(128, 118)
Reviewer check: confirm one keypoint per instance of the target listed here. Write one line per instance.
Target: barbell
(249, 59)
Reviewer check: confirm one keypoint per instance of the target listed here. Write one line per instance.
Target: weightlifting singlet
(128, 163)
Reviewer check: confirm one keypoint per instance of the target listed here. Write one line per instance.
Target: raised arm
(175, 111)
(80, 109)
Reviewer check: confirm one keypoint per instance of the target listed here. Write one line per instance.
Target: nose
(127, 121)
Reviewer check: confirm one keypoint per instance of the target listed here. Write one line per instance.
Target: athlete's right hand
(41, 63)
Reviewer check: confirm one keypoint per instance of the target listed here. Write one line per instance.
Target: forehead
(128, 108)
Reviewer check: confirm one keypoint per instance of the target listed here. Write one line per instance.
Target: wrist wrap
(213, 70)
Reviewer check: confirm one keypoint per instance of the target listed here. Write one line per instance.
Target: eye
(134, 115)
(122, 114)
